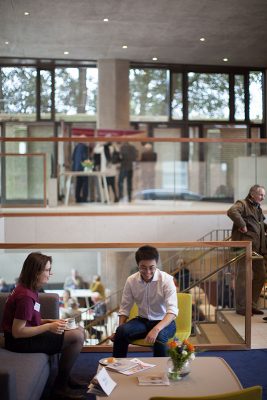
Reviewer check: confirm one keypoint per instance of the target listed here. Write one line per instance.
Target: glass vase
(176, 373)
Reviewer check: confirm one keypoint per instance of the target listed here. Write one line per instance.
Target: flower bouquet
(88, 165)
(180, 354)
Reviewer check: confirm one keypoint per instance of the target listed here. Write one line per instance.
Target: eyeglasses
(148, 269)
(48, 270)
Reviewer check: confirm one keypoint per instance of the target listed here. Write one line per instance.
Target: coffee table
(209, 375)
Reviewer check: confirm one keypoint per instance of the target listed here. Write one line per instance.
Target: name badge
(37, 307)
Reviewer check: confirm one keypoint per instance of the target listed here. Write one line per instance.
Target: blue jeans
(138, 328)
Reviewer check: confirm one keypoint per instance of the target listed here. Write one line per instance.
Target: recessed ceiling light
(6, 42)
(155, 58)
(124, 46)
(26, 13)
(105, 19)
(66, 52)
(225, 59)
(202, 39)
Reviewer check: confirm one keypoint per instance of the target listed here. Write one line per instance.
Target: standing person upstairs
(249, 225)
(155, 294)
(26, 332)
(128, 155)
(80, 154)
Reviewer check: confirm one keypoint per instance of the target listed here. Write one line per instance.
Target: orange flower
(172, 344)
(190, 347)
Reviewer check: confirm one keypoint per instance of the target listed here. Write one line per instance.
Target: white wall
(85, 261)
(94, 229)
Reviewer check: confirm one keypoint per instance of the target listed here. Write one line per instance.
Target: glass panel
(46, 94)
(208, 272)
(239, 98)
(23, 177)
(148, 94)
(177, 96)
(76, 93)
(18, 93)
(208, 96)
(220, 160)
(33, 130)
(255, 96)
(256, 148)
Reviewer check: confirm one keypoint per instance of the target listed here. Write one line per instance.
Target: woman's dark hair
(32, 267)
(146, 253)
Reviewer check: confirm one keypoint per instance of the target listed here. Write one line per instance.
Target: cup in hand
(70, 323)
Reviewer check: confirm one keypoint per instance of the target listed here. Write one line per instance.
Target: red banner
(103, 132)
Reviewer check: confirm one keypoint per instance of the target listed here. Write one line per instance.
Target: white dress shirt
(154, 299)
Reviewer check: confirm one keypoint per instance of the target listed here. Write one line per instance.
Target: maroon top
(22, 304)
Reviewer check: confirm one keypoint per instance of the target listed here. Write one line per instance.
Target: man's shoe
(66, 394)
(77, 384)
(264, 318)
(257, 312)
(240, 312)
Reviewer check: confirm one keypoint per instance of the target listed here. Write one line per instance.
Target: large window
(208, 96)
(76, 93)
(255, 96)
(177, 96)
(18, 93)
(45, 94)
(148, 94)
(239, 98)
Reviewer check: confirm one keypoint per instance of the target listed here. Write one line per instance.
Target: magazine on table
(128, 367)
(160, 379)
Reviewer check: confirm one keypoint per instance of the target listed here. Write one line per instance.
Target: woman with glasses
(154, 293)
(26, 332)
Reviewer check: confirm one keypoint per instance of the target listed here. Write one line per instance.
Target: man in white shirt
(154, 292)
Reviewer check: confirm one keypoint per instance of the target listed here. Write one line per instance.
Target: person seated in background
(100, 310)
(154, 293)
(97, 286)
(74, 281)
(4, 287)
(26, 332)
(70, 307)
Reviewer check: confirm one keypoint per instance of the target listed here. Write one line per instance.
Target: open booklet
(128, 367)
(153, 380)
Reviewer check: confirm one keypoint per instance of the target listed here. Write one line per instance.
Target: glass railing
(165, 170)
(212, 285)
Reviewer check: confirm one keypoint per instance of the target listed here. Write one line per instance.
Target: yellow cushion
(252, 393)
(183, 320)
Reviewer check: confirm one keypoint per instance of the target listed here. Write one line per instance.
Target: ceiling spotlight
(105, 19)
(202, 39)
(6, 42)
(225, 59)
(155, 58)
(124, 46)
(66, 52)
(26, 13)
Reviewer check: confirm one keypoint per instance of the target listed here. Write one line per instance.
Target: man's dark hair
(33, 266)
(146, 253)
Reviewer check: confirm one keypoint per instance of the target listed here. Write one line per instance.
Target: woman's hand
(57, 326)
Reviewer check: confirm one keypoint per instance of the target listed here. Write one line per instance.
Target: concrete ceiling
(167, 29)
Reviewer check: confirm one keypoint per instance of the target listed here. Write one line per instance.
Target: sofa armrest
(8, 384)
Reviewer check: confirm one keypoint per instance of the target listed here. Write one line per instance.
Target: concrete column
(113, 94)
